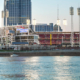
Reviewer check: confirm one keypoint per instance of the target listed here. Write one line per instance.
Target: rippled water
(40, 68)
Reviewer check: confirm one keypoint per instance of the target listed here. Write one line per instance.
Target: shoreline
(42, 53)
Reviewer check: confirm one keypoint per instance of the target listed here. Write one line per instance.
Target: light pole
(65, 24)
(44, 34)
(58, 23)
(78, 10)
(77, 39)
(50, 37)
(34, 23)
(5, 14)
(3, 17)
(62, 40)
(28, 23)
(72, 33)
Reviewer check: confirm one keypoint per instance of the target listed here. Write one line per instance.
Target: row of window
(43, 28)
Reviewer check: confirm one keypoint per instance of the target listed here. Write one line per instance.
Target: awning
(19, 43)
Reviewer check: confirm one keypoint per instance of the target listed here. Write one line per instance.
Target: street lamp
(78, 10)
(65, 24)
(58, 23)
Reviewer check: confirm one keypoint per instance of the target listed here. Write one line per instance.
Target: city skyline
(46, 12)
(19, 11)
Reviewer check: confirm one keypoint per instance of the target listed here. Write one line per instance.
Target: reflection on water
(40, 68)
(62, 69)
(62, 59)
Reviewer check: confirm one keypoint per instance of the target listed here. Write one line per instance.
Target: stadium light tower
(28, 23)
(72, 34)
(5, 14)
(65, 24)
(3, 17)
(58, 23)
(34, 23)
(78, 10)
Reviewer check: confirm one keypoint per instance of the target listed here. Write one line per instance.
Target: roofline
(54, 32)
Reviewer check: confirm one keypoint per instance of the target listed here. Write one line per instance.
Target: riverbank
(42, 53)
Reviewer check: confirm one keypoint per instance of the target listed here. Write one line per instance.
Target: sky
(45, 11)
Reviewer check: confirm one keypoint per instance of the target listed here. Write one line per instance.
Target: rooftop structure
(56, 27)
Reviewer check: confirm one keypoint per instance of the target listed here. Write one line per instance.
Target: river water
(40, 68)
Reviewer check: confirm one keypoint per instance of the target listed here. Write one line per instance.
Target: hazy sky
(45, 11)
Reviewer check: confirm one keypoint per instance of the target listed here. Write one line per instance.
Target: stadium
(24, 35)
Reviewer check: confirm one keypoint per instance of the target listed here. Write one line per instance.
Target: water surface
(40, 68)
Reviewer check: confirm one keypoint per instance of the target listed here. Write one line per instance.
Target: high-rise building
(19, 11)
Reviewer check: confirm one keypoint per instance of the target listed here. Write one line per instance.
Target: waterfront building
(46, 28)
(43, 28)
(19, 11)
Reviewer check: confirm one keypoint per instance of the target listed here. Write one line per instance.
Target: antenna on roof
(57, 11)
(58, 21)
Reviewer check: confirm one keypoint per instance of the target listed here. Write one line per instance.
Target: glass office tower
(19, 11)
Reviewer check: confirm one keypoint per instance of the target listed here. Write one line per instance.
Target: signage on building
(20, 26)
(22, 30)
